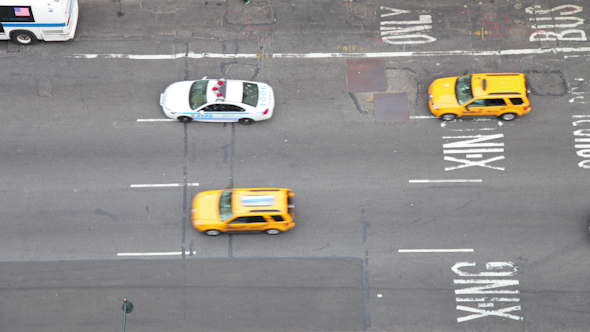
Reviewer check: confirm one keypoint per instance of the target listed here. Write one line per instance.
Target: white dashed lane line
(171, 253)
(163, 185)
(446, 181)
(433, 250)
(155, 120)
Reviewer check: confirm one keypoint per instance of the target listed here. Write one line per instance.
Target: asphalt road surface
(398, 227)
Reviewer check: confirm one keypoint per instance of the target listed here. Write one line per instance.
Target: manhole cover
(517, 30)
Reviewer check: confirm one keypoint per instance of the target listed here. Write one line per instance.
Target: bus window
(16, 14)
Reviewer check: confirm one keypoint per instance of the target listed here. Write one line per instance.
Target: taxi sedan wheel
(184, 119)
(246, 121)
(272, 231)
(508, 116)
(212, 232)
(448, 117)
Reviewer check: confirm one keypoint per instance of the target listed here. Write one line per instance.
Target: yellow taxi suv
(503, 95)
(243, 210)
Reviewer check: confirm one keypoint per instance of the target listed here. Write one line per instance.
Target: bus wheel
(23, 37)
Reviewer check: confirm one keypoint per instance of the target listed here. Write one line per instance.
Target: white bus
(26, 21)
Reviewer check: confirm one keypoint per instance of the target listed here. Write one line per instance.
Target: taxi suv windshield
(463, 89)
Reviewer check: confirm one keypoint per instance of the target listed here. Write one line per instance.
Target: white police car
(218, 100)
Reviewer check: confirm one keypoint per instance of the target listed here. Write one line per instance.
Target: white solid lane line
(434, 250)
(163, 185)
(445, 181)
(193, 55)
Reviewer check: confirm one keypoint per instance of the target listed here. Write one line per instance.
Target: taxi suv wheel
(448, 117)
(272, 231)
(508, 116)
(184, 119)
(212, 232)
(246, 121)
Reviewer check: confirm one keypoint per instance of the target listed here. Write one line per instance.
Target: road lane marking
(498, 270)
(445, 181)
(173, 120)
(163, 185)
(475, 144)
(155, 120)
(485, 299)
(484, 313)
(435, 250)
(424, 117)
(581, 136)
(171, 253)
(192, 55)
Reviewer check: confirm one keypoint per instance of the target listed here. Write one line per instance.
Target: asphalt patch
(365, 75)
(546, 83)
(391, 107)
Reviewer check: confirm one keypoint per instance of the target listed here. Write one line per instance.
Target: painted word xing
(473, 147)
(487, 293)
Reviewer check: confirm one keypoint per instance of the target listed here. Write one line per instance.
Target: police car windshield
(225, 211)
(198, 94)
(463, 89)
(250, 96)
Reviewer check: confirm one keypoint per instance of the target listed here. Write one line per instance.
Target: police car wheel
(448, 117)
(212, 232)
(508, 116)
(246, 121)
(23, 37)
(272, 231)
(184, 119)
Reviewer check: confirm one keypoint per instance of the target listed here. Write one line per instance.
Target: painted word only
(473, 147)
(564, 22)
(487, 292)
(405, 31)
(582, 139)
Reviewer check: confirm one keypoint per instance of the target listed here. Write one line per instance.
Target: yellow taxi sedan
(243, 210)
(494, 94)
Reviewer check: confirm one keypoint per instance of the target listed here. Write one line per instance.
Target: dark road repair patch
(365, 75)
(391, 107)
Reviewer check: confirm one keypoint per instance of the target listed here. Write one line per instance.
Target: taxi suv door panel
(476, 107)
(247, 224)
(488, 106)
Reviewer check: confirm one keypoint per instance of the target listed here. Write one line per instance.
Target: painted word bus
(26, 21)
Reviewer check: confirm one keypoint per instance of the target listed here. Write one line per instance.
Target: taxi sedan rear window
(250, 96)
